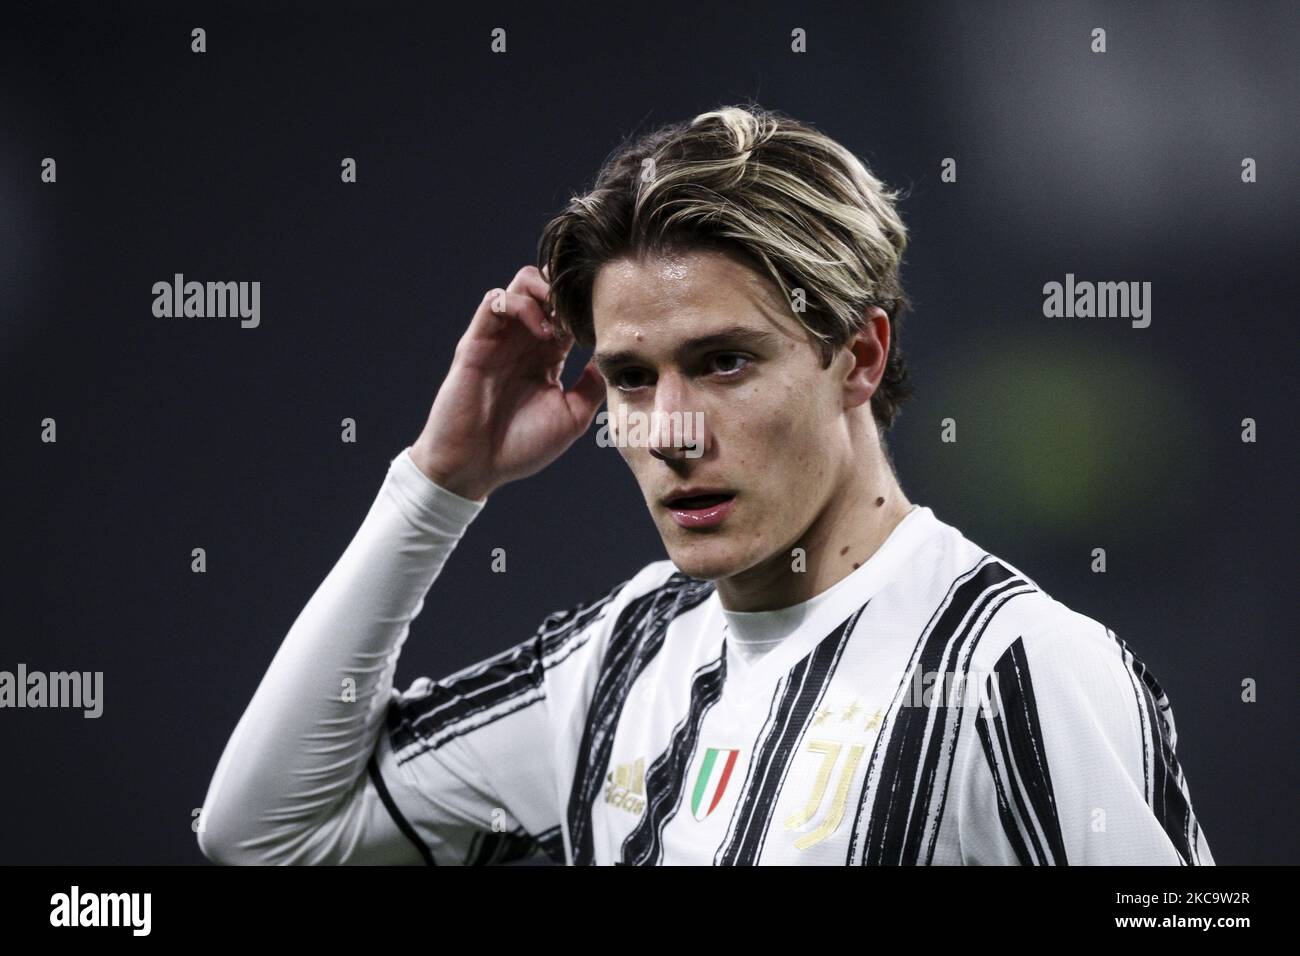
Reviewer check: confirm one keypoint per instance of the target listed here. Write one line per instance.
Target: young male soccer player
(822, 672)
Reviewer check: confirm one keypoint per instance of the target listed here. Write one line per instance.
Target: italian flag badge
(712, 780)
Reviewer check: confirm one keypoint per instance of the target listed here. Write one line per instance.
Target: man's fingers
(500, 307)
(530, 281)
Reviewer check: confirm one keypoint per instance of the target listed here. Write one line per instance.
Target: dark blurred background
(181, 433)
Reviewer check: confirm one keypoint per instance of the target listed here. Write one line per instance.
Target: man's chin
(706, 558)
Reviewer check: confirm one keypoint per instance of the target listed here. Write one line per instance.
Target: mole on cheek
(856, 565)
(879, 502)
(844, 550)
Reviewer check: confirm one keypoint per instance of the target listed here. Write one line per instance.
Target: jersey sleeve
(331, 764)
(292, 784)
(475, 765)
(1072, 760)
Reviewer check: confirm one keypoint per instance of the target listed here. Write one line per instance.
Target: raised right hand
(502, 413)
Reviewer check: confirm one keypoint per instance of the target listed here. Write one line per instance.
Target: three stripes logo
(712, 780)
(625, 786)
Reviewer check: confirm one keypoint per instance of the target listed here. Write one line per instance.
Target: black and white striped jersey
(933, 707)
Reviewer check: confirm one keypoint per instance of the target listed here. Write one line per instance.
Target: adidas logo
(625, 786)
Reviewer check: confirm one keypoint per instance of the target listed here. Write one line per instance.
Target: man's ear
(869, 348)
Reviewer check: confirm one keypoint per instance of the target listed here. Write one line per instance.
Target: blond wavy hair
(795, 204)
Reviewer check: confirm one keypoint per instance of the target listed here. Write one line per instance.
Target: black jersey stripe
(1169, 797)
(1011, 784)
(904, 762)
(637, 636)
(493, 848)
(665, 783)
(1011, 824)
(1023, 749)
(493, 688)
(796, 698)
(552, 843)
(399, 818)
(1144, 717)
(1176, 816)
(413, 742)
(491, 679)
(931, 797)
(957, 601)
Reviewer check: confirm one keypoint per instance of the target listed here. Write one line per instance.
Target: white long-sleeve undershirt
(291, 785)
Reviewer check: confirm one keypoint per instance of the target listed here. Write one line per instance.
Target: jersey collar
(792, 632)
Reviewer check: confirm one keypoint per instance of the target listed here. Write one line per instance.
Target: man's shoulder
(1028, 625)
(1018, 612)
(1046, 626)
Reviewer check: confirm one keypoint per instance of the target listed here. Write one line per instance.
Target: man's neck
(850, 529)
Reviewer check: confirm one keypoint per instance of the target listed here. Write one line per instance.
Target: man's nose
(677, 429)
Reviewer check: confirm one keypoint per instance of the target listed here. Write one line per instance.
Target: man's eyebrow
(735, 335)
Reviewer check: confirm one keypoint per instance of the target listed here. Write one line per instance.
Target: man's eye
(628, 379)
(725, 364)
(729, 363)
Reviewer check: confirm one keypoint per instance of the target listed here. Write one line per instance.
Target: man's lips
(685, 495)
(705, 510)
